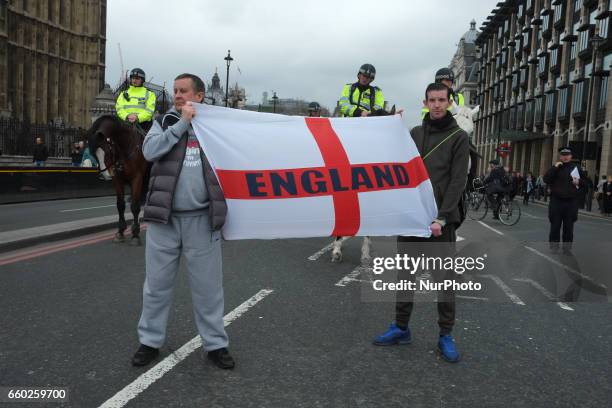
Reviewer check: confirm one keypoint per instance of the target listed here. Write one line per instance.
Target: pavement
(300, 327)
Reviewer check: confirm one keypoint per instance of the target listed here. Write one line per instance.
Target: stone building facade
(543, 83)
(52, 59)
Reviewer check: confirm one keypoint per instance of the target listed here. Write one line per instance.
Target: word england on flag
(295, 177)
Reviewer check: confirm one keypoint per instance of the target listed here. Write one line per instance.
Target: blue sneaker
(447, 349)
(393, 335)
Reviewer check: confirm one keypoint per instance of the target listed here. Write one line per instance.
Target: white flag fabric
(295, 177)
(575, 174)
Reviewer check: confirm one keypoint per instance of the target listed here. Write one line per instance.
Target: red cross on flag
(295, 177)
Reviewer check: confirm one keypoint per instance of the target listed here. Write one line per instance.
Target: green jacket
(139, 100)
(447, 164)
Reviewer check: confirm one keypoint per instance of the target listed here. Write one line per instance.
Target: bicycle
(508, 213)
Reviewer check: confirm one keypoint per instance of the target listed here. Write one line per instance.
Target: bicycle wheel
(477, 206)
(509, 212)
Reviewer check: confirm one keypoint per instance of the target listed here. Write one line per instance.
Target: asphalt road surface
(300, 327)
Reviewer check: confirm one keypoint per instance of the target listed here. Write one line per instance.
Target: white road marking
(506, 289)
(567, 268)
(459, 239)
(89, 208)
(352, 277)
(545, 292)
(472, 297)
(531, 216)
(317, 255)
(491, 228)
(141, 383)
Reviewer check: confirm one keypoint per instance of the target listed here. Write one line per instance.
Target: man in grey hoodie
(185, 209)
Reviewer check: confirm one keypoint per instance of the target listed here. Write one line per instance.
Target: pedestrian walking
(41, 153)
(607, 197)
(528, 187)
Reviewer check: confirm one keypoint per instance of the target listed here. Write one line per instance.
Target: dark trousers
(442, 246)
(562, 212)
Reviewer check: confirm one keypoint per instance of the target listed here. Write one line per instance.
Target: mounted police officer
(137, 103)
(361, 98)
(564, 180)
(447, 77)
(314, 109)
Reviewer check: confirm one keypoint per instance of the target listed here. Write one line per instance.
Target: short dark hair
(198, 84)
(437, 87)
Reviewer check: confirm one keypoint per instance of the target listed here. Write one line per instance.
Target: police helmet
(138, 73)
(314, 107)
(565, 150)
(445, 73)
(368, 70)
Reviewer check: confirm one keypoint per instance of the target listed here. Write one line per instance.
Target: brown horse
(118, 147)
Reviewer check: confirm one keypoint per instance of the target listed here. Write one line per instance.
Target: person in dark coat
(607, 197)
(564, 179)
(40, 153)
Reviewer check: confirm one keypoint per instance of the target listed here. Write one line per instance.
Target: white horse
(464, 117)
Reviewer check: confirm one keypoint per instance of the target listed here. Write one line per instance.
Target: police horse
(464, 117)
(118, 147)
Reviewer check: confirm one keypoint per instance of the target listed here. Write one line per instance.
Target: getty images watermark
(441, 267)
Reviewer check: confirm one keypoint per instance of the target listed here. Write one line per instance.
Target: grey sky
(305, 49)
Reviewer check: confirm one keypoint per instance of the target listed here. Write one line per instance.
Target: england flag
(295, 177)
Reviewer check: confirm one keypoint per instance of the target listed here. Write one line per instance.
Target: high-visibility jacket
(138, 100)
(353, 100)
(457, 100)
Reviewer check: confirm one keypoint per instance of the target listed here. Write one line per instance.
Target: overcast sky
(300, 49)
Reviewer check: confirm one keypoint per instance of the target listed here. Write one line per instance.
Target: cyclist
(496, 185)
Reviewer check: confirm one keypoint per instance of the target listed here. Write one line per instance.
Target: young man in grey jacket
(444, 147)
(185, 209)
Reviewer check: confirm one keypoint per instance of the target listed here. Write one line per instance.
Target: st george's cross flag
(296, 177)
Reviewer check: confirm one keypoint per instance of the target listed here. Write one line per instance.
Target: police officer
(361, 98)
(447, 77)
(314, 109)
(564, 180)
(136, 104)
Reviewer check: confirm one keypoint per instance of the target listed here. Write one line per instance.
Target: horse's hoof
(336, 257)
(119, 238)
(135, 241)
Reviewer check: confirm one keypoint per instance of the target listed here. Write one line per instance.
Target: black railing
(17, 138)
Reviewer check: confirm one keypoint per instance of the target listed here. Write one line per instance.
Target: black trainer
(144, 355)
(222, 358)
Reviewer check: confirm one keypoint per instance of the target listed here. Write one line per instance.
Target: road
(300, 327)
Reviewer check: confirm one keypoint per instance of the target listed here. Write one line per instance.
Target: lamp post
(274, 99)
(228, 61)
(595, 42)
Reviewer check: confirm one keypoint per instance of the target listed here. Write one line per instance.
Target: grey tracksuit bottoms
(192, 237)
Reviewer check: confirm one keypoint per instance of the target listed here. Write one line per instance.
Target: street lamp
(228, 61)
(595, 42)
(274, 99)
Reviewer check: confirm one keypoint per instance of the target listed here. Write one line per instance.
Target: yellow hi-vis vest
(138, 100)
(456, 98)
(353, 98)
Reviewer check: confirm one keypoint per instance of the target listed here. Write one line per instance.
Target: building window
(604, 26)
(542, 65)
(551, 106)
(529, 114)
(603, 93)
(539, 111)
(583, 40)
(565, 96)
(577, 5)
(580, 98)
(559, 13)
(572, 51)
(520, 116)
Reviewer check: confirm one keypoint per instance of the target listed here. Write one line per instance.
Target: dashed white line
(141, 383)
(567, 268)
(88, 208)
(321, 252)
(491, 228)
(506, 289)
(545, 292)
(352, 277)
(531, 216)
